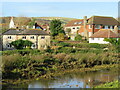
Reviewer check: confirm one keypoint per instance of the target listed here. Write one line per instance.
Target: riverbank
(8, 82)
(114, 85)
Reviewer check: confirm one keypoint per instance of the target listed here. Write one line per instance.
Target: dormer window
(24, 37)
(75, 23)
(80, 22)
(9, 37)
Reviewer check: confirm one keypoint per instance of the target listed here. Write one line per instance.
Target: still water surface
(76, 80)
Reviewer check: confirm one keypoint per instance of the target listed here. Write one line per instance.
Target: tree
(60, 37)
(114, 41)
(20, 44)
(56, 27)
(78, 38)
(68, 30)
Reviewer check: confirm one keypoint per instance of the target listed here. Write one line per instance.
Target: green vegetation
(114, 84)
(20, 44)
(56, 28)
(78, 38)
(115, 43)
(34, 63)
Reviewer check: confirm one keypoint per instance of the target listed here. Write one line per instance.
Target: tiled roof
(103, 20)
(104, 33)
(25, 32)
(76, 22)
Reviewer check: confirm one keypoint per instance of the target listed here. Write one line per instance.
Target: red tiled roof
(72, 22)
(104, 33)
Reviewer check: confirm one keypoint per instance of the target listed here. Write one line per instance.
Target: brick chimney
(85, 29)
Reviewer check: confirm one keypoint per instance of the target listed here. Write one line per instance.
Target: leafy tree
(78, 38)
(60, 37)
(20, 44)
(114, 41)
(56, 27)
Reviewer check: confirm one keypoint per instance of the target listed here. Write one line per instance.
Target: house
(95, 23)
(98, 37)
(73, 26)
(40, 38)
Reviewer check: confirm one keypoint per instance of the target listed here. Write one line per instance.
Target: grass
(114, 84)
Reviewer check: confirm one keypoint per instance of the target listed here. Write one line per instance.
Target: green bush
(78, 38)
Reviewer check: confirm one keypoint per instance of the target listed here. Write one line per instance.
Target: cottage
(40, 38)
(98, 37)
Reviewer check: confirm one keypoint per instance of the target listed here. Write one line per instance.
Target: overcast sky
(60, 9)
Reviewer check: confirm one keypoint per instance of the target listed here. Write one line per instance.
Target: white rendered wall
(98, 40)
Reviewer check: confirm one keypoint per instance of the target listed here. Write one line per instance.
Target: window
(24, 37)
(97, 26)
(75, 23)
(90, 26)
(8, 45)
(80, 22)
(106, 27)
(42, 37)
(9, 37)
(111, 27)
(92, 38)
(33, 46)
(78, 28)
(32, 37)
(73, 28)
(118, 27)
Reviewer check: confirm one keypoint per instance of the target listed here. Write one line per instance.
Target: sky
(60, 9)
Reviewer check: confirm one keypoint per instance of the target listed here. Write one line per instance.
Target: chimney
(85, 30)
(116, 29)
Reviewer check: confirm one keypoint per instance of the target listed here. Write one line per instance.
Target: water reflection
(77, 80)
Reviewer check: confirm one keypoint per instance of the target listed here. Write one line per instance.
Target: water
(73, 80)
(76, 80)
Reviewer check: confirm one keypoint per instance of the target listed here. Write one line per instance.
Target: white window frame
(106, 27)
(8, 45)
(42, 37)
(9, 37)
(23, 37)
(92, 38)
(33, 46)
(32, 37)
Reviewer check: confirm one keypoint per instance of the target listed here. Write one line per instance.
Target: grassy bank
(27, 64)
(114, 84)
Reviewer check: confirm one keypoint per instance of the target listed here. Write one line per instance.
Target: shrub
(78, 38)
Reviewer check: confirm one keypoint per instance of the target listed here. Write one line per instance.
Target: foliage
(56, 28)
(20, 44)
(78, 38)
(115, 42)
(60, 36)
(114, 84)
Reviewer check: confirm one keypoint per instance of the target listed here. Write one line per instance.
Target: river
(75, 80)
